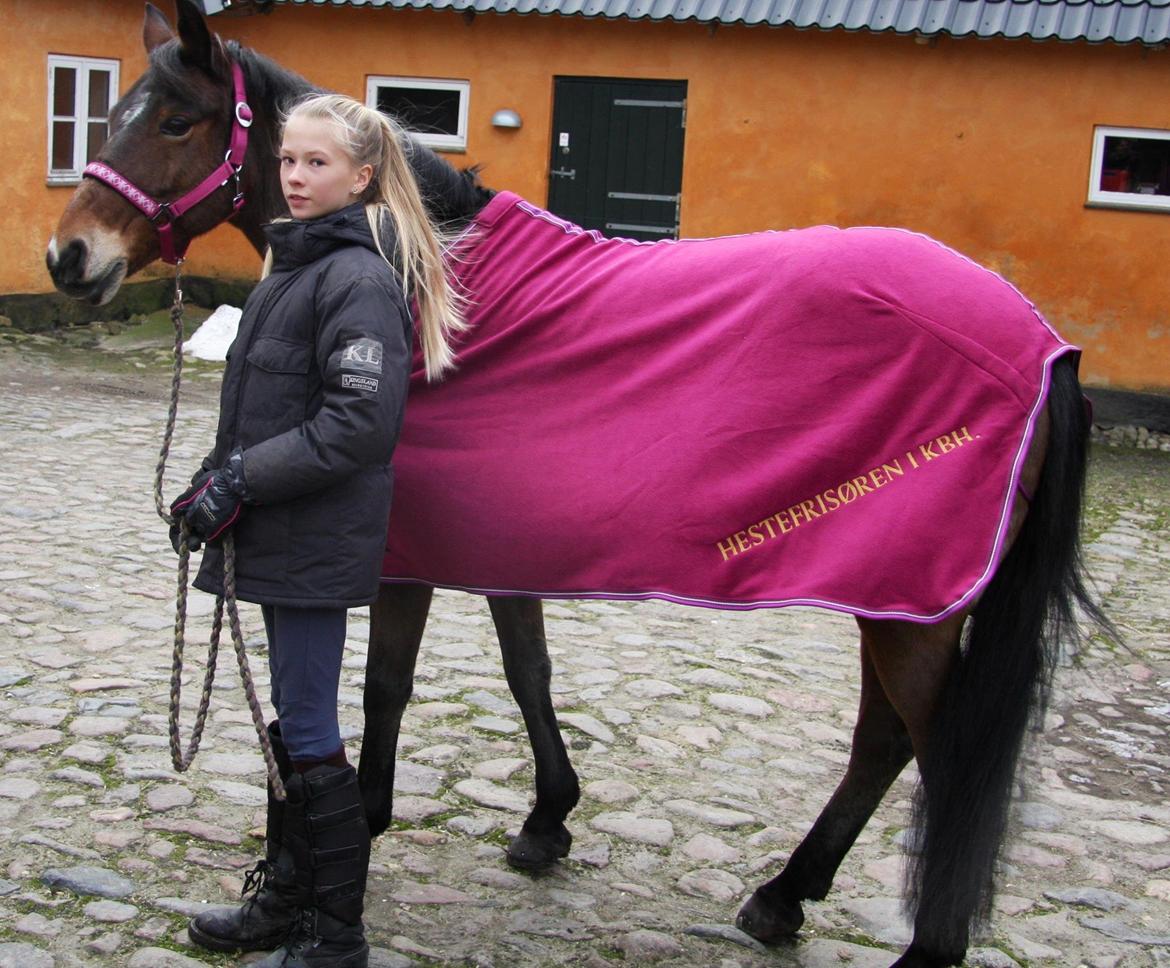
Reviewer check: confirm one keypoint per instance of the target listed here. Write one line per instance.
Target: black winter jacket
(313, 391)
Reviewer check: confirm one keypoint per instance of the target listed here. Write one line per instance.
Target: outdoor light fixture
(506, 118)
(239, 7)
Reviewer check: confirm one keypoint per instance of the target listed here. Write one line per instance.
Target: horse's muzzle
(68, 268)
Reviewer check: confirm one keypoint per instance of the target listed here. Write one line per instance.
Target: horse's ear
(195, 40)
(156, 29)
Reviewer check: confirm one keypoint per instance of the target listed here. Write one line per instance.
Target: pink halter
(165, 214)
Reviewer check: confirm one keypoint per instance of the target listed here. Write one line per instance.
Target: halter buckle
(163, 216)
(235, 169)
(243, 114)
(238, 197)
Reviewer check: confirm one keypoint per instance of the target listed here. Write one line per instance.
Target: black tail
(1001, 685)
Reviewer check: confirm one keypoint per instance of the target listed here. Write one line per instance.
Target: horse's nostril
(69, 266)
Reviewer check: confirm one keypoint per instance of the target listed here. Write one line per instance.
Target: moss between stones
(181, 841)
(39, 312)
(192, 951)
(498, 837)
(848, 936)
(107, 769)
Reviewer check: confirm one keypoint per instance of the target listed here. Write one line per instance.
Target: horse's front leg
(544, 836)
(397, 620)
(881, 748)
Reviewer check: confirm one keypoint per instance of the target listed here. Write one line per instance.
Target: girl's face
(316, 175)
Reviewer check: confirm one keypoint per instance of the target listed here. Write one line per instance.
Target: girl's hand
(212, 504)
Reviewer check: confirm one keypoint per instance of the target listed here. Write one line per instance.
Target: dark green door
(616, 159)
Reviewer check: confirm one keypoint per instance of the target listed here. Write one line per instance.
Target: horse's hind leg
(915, 664)
(397, 620)
(881, 748)
(544, 836)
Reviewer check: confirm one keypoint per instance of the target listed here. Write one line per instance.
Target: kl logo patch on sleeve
(364, 355)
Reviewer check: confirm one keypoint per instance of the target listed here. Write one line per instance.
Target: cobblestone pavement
(706, 742)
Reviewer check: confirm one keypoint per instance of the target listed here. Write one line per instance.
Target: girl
(310, 410)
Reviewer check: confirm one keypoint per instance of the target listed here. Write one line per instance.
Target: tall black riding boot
(325, 828)
(265, 919)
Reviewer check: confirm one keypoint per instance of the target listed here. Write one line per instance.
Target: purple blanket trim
(705, 421)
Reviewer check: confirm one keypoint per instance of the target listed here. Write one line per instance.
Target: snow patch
(211, 340)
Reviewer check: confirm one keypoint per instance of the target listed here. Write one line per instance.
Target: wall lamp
(506, 118)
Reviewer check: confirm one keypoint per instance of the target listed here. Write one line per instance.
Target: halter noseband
(165, 214)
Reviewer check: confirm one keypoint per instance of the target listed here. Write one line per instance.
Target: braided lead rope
(229, 599)
(173, 411)
(179, 759)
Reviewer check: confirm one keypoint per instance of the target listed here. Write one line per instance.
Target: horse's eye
(176, 126)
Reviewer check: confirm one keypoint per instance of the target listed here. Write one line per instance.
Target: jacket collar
(297, 242)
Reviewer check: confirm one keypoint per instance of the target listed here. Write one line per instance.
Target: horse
(955, 689)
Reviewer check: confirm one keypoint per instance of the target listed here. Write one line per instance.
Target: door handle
(564, 172)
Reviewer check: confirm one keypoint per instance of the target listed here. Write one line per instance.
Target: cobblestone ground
(706, 742)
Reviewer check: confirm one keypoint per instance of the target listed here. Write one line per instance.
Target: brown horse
(956, 695)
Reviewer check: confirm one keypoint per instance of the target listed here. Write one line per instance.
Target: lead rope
(180, 760)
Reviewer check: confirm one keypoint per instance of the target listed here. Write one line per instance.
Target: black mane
(453, 196)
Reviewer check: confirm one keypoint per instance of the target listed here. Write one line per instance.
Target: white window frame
(80, 116)
(440, 142)
(1098, 197)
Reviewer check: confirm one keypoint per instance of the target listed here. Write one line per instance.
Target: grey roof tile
(1096, 21)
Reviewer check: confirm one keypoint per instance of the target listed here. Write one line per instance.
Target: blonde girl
(310, 411)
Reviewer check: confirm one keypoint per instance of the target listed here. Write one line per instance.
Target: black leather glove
(198, 481)
(212, 504)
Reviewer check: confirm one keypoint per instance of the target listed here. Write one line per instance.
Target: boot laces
(303, 932)
(257, 879)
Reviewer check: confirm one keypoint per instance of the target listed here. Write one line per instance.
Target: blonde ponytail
(420, 251)
(371, 138)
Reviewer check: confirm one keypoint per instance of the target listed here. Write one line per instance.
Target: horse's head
(167, 134)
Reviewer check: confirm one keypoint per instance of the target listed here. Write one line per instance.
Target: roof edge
(1096, 22)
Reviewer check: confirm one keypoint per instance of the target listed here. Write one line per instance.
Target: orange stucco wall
(33, 29)
(983, 144)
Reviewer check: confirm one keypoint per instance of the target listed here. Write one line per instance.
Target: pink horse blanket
(817, 417)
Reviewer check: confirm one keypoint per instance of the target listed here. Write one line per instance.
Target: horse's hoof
(770, 921)
(538, 852)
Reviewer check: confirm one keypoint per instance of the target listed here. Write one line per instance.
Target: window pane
(64, 89)
(424, 110)
(1139, 166)
(63, 145)
(97, 137)
(99, 94)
